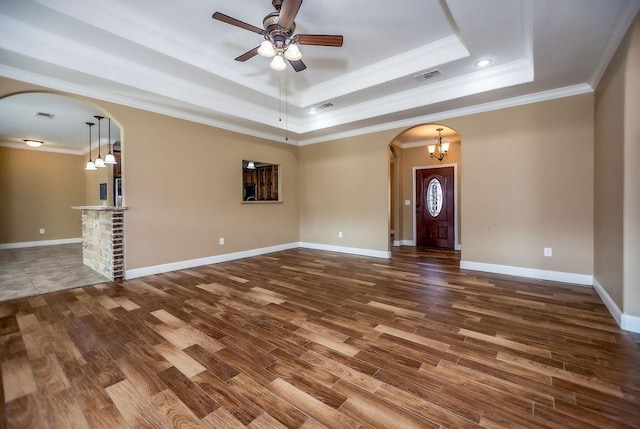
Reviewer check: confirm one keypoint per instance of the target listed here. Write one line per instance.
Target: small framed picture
(103, 191)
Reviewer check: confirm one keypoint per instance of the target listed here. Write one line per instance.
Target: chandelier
(440, 149)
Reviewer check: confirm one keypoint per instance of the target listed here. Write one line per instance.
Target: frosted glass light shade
(90, 166)
(110, 159)
(266, 49)
(431, 148)
(293, 53)
(33, 143)
(99, 163)
(278, 63)
(445, 146)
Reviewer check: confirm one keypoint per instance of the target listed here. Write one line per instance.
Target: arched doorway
(412, 163)
(40, 235)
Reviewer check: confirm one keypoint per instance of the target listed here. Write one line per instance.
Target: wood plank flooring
(309, 339)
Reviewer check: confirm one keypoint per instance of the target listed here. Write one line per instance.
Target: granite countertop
(100, 208)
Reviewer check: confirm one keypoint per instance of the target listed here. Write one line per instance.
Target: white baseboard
(557, 276)
(407, 243)
(181, 265)
(24, 244)
(630, 323)
(608, 302)
(625, 321)
(351, 250)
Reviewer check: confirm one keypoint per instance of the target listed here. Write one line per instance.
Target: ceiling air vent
(45, 115)
(427, 75)
(325, 106)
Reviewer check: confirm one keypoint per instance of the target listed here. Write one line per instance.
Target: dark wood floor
(308, 339)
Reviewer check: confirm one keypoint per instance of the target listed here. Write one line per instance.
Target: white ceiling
(173, 58)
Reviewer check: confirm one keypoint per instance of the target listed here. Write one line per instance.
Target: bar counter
(103, 240)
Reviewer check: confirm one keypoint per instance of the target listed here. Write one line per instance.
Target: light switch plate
(407, 202)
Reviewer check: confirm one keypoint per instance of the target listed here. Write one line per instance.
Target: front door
(434, 207)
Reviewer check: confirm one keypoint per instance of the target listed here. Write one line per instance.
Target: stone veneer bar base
(103, 240)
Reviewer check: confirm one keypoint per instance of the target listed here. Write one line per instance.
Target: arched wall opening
(40, 185)
(409, 154)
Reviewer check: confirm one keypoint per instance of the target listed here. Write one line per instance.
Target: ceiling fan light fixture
(293, 53)
(278, 63)
(266, 49)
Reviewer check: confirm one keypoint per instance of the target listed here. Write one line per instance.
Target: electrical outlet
(548, 251)
(340, 234)
(221, 241)
(41, 230)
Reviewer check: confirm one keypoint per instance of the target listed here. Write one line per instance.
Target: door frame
(456, 209)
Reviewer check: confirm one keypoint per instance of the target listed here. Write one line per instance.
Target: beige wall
(609, 181)
(617, 155)
(344, 188)
(527, 183)
(37, 190)
(183, 187)
(632, 175)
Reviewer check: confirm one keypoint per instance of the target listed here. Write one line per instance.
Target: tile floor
(37, 270)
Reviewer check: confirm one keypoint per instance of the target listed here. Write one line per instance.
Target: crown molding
(73, 89)
(465, 111)
(514, 73)
(615, 38)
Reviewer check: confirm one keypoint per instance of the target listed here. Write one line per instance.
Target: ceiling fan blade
(319, 39)
(228, 20)
(288, 13)
(248, 55)
(298, 65)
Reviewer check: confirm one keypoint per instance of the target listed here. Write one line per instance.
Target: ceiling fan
(279, 40)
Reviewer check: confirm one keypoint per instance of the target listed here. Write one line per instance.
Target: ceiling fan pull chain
(286, 108)
(280, 99)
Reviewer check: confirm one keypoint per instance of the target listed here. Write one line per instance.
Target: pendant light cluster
(109, 158)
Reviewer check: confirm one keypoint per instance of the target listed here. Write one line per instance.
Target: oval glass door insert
(434, 197)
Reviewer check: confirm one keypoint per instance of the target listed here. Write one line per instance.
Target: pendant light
(99, 160)
(109, 158)
(90, 164)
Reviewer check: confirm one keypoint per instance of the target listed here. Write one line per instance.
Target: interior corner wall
(527, 184)
(344, 188)
(37, 190)
(609, 181)
(617, 200)
(632, 177)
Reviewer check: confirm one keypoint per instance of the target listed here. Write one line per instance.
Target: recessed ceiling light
(33, 143)
(483, 63)
(312, 111)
